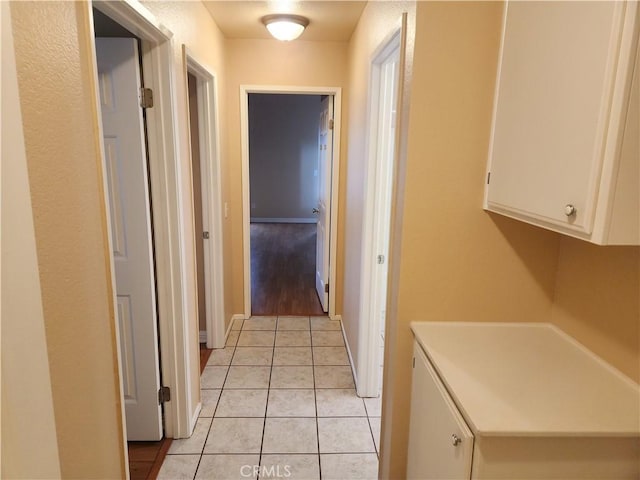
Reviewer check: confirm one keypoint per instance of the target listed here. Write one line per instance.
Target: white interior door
(325, 157)
(130, 219)
(387, 100)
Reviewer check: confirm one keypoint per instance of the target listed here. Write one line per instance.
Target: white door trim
(369, 381)
(336, 92)
(209, 139)
(165, 179)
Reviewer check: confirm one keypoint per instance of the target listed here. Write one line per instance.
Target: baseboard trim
(194, 418)
(230, 327)
(282, 220)
(203, 336)
(346, 344)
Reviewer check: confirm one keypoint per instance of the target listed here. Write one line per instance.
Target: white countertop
(529, 379)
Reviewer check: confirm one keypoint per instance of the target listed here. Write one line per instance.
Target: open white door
(385, 147)
(325, 157)
(130, 220)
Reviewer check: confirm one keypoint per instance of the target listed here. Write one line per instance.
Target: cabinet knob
(455, 440)
(569, 210)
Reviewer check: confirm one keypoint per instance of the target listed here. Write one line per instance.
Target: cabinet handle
(455, 440)
(569, 210)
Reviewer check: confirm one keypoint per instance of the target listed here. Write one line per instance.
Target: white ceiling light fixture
(285, 27)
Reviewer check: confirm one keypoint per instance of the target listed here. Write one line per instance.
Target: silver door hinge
(331, 124)
(380, 259)
(205, 235)
(488, 177)
(146, 98)
(164, 395)
(326, 288)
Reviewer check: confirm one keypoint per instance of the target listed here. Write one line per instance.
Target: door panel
(325, 160)
(130, 220)
(385, 148)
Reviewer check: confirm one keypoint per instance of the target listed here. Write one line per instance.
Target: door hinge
(164, 395)
(326, 288)
(380, 259)
(331, 124)
(205, 235)
(488, 177)
(146, 97)
(414, 362)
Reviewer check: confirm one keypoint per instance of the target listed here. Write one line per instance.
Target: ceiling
(328, 20)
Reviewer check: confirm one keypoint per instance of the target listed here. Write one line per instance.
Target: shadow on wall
(518, 236)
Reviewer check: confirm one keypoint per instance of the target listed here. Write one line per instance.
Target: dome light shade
(285, 27)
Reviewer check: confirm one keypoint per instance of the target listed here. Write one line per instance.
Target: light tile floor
(279, 402)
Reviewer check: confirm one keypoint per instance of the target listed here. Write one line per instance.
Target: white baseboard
(203, 336)
(346, 344)
(283, 220)
(194, 418)
(230, 327)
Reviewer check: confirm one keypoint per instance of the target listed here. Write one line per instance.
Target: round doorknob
(569, 210)
(315, 210)
(455, 440)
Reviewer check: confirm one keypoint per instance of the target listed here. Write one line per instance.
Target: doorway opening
(207, 199)
(284, 161)
(290, 139)
(120, 79)
(161, 220)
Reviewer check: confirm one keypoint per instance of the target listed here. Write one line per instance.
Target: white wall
(28, 440)
(283, 156)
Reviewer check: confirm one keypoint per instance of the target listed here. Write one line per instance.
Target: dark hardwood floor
(283, 269)
(145, 458)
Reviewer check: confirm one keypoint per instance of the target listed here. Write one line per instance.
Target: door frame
(369, 377)
(336, 93)
(210, 174)
(167, 209)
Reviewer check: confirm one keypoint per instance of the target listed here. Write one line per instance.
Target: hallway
(280, 400)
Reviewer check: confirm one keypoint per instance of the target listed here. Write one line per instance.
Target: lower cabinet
(440, 442)
(446, 442)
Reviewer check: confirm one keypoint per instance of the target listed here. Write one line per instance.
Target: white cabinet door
(564, 70)
(440, 442)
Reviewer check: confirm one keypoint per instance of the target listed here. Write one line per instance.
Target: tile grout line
(315, 397)
(266, 407)
(215, 409)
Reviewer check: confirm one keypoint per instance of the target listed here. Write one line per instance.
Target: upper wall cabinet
(565, 146)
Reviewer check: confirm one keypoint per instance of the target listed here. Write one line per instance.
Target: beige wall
(597, 301)
(270, 62)
(192, 26)
(60, 126)
(378, 21)
(27, 402)
(452, 260)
